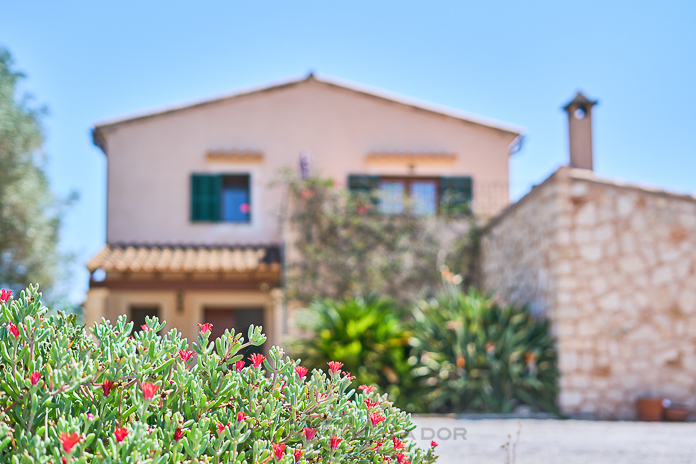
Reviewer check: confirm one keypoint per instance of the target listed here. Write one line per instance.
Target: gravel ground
(559, 441)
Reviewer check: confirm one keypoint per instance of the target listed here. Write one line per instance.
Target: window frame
(215, 183)
(407, 180)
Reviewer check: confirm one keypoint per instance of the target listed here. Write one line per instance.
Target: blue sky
(511, 60)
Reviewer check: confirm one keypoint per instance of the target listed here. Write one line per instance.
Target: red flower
(309, 433)
(298, 454)
(5, 295)
(220, 426)
(239, 365)
(278, 450)
(376, 418)
(120, 433)
(334, 442)
(377, 445)
(144, 327)
(69, 440)
(178, 434)
(301, 371)
(400, 458)
(185, 355)
(35, 376)
(335, 366)
(240, 416)
(433, 443)
(149, 390)
(13, 328)
(350, 377)
(63, 460)
(398, 444)
(367, 389)
(256, 359)
(207, 327)
(107, 385)
(370, 404)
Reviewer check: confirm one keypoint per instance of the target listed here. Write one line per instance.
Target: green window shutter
(456, 194)
(205, 197)
(362, 186)
(360, 183)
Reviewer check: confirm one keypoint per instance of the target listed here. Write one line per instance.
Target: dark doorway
(138, 313)
(238, 319)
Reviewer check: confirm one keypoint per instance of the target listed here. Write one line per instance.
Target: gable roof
(327, 80)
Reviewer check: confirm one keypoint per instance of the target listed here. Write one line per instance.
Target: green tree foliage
(476, 354)
(148, 398)
(342, 246)
(366, 335)
(29, 214)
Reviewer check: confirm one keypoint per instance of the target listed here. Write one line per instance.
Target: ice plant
(5, 295)
(278, 450)
(69, 440)
(367, 389)
(144, 327)
(256, 359)
(433, 443)
(13, 329)
(239, 365)
(185, 355)
(370, 404)
(376, 418)
(398, 444)
(107, 385)
(207, 327)
(309, 433)
(107, 399)
(149, 390)
(301, 371)
(120, 433)
(334, 366)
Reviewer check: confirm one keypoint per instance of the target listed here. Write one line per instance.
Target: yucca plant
(474, 354)
(366, 335)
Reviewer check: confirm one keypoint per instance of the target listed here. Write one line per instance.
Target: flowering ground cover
(148, 398)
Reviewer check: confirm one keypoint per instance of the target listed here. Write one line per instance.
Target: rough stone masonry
(614, 268)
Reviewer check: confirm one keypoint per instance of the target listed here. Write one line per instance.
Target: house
(613, 266)
(193, 233)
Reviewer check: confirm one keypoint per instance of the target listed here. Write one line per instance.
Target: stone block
(567, 360)
(624, 205)
(591, 251)
(631, 264)
(610, 302)
(569, 400)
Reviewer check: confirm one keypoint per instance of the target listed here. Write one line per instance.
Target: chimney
(580, 131)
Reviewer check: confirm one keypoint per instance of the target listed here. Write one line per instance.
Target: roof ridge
(321, 78)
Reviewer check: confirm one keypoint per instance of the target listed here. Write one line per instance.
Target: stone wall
(614, 268)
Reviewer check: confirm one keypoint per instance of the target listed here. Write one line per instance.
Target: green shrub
(475, 354)
(146, 398)
(366, 335)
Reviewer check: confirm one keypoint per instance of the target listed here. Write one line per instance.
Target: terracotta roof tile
(180, 259)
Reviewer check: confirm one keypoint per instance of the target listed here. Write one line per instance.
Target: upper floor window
(220, 198)
(420, 196)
